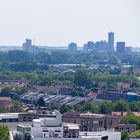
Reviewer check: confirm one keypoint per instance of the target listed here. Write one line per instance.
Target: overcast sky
(58, 22)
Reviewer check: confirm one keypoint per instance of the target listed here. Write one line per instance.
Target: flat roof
(24, 125)
(88, 114)
(131, 93)
(96, 134)
(8, 115)
(5, 98)
(71, 125)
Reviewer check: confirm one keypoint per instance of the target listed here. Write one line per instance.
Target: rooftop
(85, 115)
(8, 115)
(24, 125)
(5, 99)
(131, 93)
(91, 115)
(95, 134)
(125, 113)
(71, 126)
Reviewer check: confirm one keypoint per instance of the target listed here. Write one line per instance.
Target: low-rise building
(91, 122)
(113, 95)
(54, 129)
(136, 71)
(122, 85)
(98, 122)
(124, 71)
(5, 102)
(53, 101)
(126, 128)
(121, 114)
(12, 119)
(65, 90)
(131, 97)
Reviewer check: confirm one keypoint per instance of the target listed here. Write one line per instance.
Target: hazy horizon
(56, 23)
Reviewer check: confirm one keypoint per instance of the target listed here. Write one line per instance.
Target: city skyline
(110, 42)
(57, 23)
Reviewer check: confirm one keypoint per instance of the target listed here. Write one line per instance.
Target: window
(15, 120)
(88, 122)
(121, 128)
(27, 137)
(110, 122)
(82, 122)
(24, 119)
(4, 120)
(10, 120)
(29, 119)
(105, 138)
(57, 130)
(45, 130)
(100, 123)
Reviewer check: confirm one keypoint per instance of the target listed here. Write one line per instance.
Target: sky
(58, 22)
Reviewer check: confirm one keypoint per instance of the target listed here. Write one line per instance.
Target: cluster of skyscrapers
(106, 46)
(98, 46)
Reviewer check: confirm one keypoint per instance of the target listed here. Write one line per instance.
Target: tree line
(57, 57)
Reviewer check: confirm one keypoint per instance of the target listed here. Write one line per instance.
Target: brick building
(113, 95)
(91, 122)
(5, 102)
(98, 122)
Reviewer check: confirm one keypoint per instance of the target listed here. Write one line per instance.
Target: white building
(52, 128)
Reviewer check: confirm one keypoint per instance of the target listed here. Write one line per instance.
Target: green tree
(120, 106)
(19, 56)
(105, 108)
(135, 134)
(5, 65)
(16, 107)
(91, 107)
(82, 79)
(5, 91)
(65, 108)
(124, 135)
(131, 119)
(4, 133)
(78, 108)
(135, 106)
(113, 60)
(41, 102)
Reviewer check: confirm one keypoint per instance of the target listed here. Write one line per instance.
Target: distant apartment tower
(27, 46)
(72, 47)
(120, 47)
(101, 45)
(89, 46)
(111, 41)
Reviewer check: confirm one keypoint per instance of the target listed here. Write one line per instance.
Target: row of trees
(83, 78)
(89, 80)
(26, 66)
(104, 108)
(56, 57)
